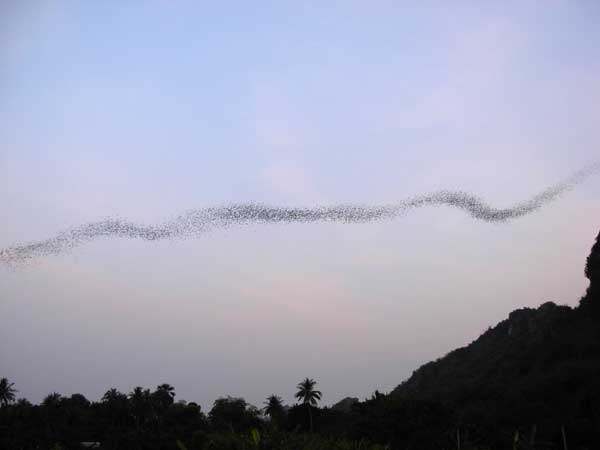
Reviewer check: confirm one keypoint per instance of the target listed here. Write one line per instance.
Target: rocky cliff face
(591, 300)
(539, 361)
(592, 268)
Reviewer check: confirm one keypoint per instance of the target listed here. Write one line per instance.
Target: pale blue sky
(145, 109)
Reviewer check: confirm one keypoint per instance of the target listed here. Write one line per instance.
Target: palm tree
(24, 403)
(274, 408)
(164, 395)
(141, 406)
(7, 392)
(113, 396)
(167, 388)
(309, 396)
(116, 404)
(52, 400)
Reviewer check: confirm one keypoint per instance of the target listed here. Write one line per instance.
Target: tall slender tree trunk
(532, 437)
(564, 437)
(310, 417)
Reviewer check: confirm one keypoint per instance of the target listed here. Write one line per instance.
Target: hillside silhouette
(539, 367)
(553, 350)
(530, 382)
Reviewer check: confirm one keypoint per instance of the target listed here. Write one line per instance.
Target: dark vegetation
(531, 382)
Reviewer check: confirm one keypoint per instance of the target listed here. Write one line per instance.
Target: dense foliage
(532, 381)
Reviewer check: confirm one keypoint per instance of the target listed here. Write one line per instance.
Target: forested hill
(538, 365)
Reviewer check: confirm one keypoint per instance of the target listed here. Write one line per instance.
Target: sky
(143, 110)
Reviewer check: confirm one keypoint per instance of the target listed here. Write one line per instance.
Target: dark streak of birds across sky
(197, 222)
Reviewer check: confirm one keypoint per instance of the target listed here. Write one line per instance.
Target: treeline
(145, 419)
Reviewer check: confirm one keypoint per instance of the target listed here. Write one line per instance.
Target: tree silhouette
(52, 400)
(116, 405)
(309, 396)
(274, 408)
(7, 392)
(24, 403)
(141, 406)
(113, 396)
(163, 396)
(233, 414)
